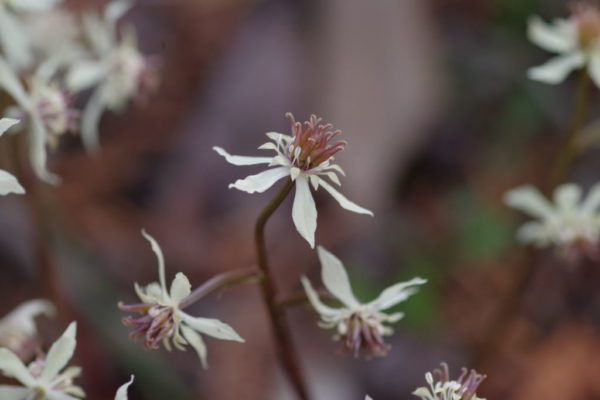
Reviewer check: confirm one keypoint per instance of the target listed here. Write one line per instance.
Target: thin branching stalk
(281, 332)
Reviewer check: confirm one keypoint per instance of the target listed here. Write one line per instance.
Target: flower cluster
(306, 157)
(163, 321)
(571, 224)
(441, 387)
(360, 326)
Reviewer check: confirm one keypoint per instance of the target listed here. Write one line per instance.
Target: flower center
(53, 104)
(587, 18)
(156, 323)
(365, 335)
(312, 143)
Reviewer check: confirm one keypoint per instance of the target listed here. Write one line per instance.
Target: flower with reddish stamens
(360, 327)
(576, 40)
(441, 387)
(306, 157)
(161, 317)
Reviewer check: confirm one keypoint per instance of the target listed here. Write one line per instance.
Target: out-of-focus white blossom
(361, 326)
(8, 182)
(116, 68)
(14, 35)
(307, 158)
(163, 320)
(44, 107)
(571, 223)
(18, 329)
(122, 392)
(441, 387)
(576, 40)
(46, 378)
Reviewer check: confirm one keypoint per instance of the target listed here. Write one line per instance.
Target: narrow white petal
(592, 201)
(567, 196)
(16, 42)
(335, 278)
(532, 232)
(304, 211)
(37, 150)
(13, 392)
(12, 367)
(161, 261)
(344, 202)
(10, 82)
(9, 184)
(56, 395)
(316, 302)
(90, 119)
(268, 146)
(195, 340)
(122, 391)
(116, 9)
(260, 182)
(180, 288)
(33, 5)
(25, 313)
(556, 70)
(84, 74)
(60, 353)
(529, 200)
(594, 66)
(211, 327)
(242, 160)
(6, 124)
(367, 397)
(552, 38)
(396, 294)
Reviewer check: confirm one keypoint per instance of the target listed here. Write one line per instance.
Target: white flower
(8, 182)
(14, 36)
(576, 40)
(571, 224)
(43, 379)
(116, 68)
(44, 106)
(360, 326)
(442, 388)
(163, 320)
(122, 392)
(306, 157)
(17, 329)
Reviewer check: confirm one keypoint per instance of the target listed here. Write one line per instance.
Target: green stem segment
(281, 332)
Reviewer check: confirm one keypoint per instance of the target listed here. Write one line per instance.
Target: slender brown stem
(281, 332)
(300, 298)
(225, 279)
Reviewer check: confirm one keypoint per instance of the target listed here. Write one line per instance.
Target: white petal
(552, 38)
(567, 196)
(367, 397)
(529, 200)
(56, 395)
(304, 211)
(592, 201)
(34, 5)
(195, 340)
(161, 261)
(180, 288)
(116, 9)
(424, 393)
(556, 70)
(335, 278)
(594, 66)
(242, 160)
(23, 316)
(15, 40)
(60, 353)
(344, 202)
(260, 182)
(6, 124)
(316, 302)
(396, 294)
(211, 327)
(90, 119)
(532, 231)
(10, 82)
(84, 74)
(13, 392)
(37, 150)
(12, 367)
(122, 391)
(9, 184)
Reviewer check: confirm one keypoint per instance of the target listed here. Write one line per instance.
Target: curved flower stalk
(116, 68)
(14, 35)
(440, 387)
(361, 326)
(571, 224)
(576, 40)
(122, 391)
(18, 330)
(43, 379)
(307, 158)
(162, 317)
(8, 182)
(45, 107)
